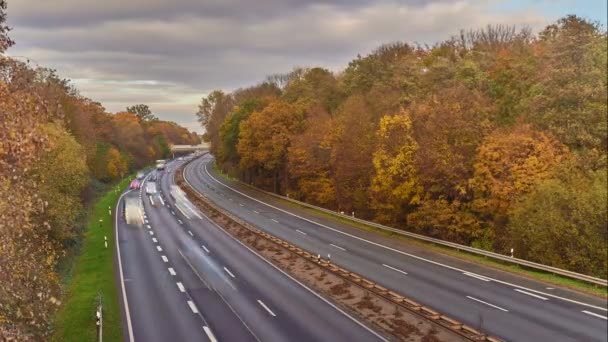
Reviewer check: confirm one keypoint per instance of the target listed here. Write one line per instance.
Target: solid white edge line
(488, 304)
(205, 248)
(352, 318)
(301, 232)
(531, 294)
(164, 258)
(476, 276)
(267, 309)
(171, 271)
(594, 314)
(336, 246)
(229, 273)
(192, 307)
(394, 269)
(181, 287)
(398, 251)
(209, 334)
(122, 278)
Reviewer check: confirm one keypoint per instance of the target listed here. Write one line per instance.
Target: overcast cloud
(168, 54)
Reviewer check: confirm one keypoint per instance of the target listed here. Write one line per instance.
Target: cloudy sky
(168, 54)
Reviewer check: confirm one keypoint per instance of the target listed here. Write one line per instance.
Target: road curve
(502, 304)
(186, 280)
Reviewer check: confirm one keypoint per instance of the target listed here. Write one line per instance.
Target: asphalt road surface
(505, 305)
(184, 279)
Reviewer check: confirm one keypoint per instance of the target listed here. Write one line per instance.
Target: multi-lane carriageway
(184, 280)
(499, 303)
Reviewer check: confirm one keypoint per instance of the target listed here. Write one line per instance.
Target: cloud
(169, 54)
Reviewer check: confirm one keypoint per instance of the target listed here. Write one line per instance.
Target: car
(135, 184)
(140, 175)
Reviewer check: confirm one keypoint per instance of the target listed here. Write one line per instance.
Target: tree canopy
(461, 141)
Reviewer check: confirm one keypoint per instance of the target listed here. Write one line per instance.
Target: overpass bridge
(189, 148)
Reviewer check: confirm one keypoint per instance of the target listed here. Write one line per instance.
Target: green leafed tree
(562, 223)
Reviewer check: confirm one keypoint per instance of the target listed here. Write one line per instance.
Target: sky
(169, 54)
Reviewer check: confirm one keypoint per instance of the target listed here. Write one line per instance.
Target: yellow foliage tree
(394, 184)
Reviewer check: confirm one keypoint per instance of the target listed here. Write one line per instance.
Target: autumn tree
(309, 158)
(510, 164)
(142, 111)
(395, 179)
(352, 146)
(62, 174)
(265, 137)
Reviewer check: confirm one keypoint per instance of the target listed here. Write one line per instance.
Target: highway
(183, 279)
(505, 305)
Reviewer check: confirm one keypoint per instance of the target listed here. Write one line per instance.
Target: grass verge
(93, 276)
(574, 284)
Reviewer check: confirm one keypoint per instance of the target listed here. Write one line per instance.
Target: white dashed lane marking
(267, 309)
(488, 304)
(192, 307)
(394, 269)
(336, 246)
(172, 271)
(531, 294)
(228, 271)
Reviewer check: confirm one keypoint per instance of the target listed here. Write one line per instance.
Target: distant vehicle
(151, 188)
(140, 175)
(135, 184)
(133, 211)
(180, 158)
(160, 164)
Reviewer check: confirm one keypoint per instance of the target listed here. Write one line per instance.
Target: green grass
(92, 276)
(581, 286)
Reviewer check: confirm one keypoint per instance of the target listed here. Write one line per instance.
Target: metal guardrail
(505, 258)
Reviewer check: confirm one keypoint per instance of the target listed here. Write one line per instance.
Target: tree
(142, 111)
(5, 40)
(62, 174)
(352, 145)
(230, 129)
(570, 93)
(309, 158)
(395, 180)
(511, 163)
(562, 223)
(211, 114)
(265, 137)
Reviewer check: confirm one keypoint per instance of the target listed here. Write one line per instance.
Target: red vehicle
(135, 184)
